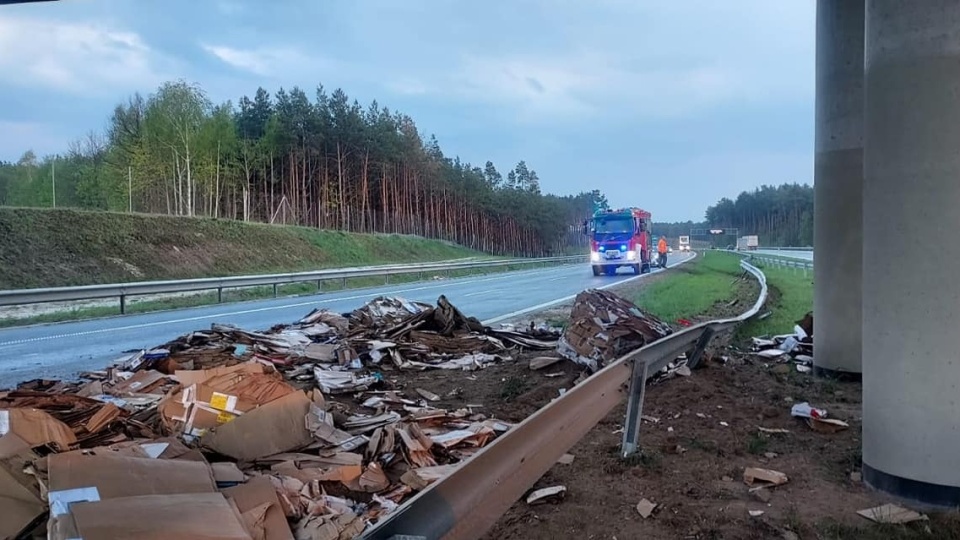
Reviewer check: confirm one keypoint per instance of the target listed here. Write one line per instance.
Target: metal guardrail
(123, 290)
(809, 248)
(783, 263)
(466, 503)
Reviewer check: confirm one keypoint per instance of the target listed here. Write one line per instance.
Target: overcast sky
(664, 104)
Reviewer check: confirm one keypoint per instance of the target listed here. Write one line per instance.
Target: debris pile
(604, 327)
(795, 348)
(294, 432)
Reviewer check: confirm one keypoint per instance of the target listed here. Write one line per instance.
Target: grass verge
(790, 298)
(691, 289)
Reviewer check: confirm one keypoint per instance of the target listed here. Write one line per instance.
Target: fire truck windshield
(606, 225)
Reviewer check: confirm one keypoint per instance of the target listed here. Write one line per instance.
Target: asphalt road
(803, 255)
(63, 349)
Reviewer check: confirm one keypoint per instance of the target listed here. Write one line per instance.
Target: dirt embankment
(693, 461)
(60, 247)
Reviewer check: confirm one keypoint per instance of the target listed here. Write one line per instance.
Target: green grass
(691, 289)
(64, 247)
(791, 297)
(239, 295)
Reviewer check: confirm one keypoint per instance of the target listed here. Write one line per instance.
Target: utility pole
(130, 189)
(53, 167)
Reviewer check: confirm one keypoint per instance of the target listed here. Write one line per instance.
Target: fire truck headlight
(594, 256)
(632, 255)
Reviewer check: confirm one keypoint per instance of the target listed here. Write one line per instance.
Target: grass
(757, 444)
(691, 289)
(944, 526)
(66, 247)
(513, 388)
(236, 295)
(791, 298)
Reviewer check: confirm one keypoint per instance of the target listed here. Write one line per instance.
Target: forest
(325, 162)
(781, 215)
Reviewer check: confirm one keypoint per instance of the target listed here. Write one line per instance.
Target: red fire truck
(619, 238)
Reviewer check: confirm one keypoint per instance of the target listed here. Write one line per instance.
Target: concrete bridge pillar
(911, 252)
(838, 183)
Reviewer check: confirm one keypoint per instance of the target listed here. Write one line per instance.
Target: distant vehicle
(748, 243)
(619, 238)
(684, 243)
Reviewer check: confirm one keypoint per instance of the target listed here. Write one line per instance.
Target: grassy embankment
(695, 288)
(49, 248)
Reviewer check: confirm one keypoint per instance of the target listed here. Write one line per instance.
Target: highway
(63, 349)
(787, 254)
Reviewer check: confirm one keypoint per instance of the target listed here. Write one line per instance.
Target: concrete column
(838, 183)
(911, 252)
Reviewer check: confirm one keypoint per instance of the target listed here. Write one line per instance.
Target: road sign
(716, 231)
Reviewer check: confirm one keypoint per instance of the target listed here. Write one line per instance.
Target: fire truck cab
(619, 238)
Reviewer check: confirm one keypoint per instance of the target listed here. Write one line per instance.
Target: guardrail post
(123, 304)
(386, 279)
(694, 359)
(344, 283)
(274, 290)
(319, 285)
(219, 295)
(631, 428)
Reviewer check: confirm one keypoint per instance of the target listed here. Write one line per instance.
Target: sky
(668, 105)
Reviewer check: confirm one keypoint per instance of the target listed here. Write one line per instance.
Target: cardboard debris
(796, 347)
(891, 513)
(259, 496)
(753, 475)
(21, 503)
(203, 516)
(275, 428)
(541, 362)
(645, 508)
(211, 435)
(604, 327)
(37, 428)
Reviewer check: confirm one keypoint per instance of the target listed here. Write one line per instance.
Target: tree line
(781, 215)
(285, 158)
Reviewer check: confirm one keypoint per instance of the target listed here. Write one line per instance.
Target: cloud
(75, 57)
(578, 85)
(275, 62)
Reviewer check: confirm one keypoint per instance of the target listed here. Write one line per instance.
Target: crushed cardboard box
(604, 327)
(232, 434)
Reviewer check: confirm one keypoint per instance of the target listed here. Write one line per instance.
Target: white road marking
(327, 301)
(481, 293)
(247, 311)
